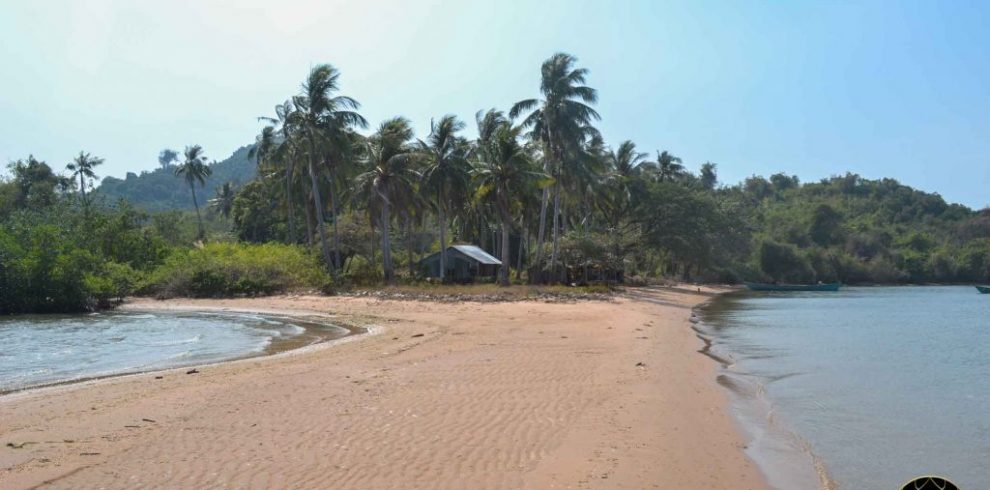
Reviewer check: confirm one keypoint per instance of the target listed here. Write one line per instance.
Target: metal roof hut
(465, 263)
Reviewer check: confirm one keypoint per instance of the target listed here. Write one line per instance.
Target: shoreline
(505, 395)
(784, 457)
(275, 348)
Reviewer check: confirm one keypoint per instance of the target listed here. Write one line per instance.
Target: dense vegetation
(159, 190)
(537, 186)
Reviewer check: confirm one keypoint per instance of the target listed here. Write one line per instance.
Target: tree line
(537, 186)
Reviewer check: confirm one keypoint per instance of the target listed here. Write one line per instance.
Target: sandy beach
(585, 394)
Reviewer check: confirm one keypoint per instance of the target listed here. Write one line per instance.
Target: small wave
(181, 355)
(168, 343)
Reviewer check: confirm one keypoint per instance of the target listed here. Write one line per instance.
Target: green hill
(161, 190)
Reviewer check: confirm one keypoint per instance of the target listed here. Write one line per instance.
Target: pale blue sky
(896, 89)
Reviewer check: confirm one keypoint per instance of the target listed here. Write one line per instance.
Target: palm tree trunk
(541, 233)
(291, 238)
(199, 218)
(336, 233)
(503, 272)
(442, 218)
(409, 247)
(523, 246)
(386, 242)
(317, 204)
(309, 223)
(82, 188)
(556, 227)
(371, 223)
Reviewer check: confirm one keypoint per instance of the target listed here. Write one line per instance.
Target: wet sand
(588, 394)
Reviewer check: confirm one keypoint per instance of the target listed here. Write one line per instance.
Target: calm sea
(875, 385)
(37, 350)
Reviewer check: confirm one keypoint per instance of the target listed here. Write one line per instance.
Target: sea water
(45, 349)
(875, 384)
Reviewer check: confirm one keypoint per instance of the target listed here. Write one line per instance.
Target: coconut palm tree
(623, 165)
(446, 173)
(277, 146)
(223, 203)
(194, 169)
(504, 170)
(322, 116)
(669, 167)
(82, 168)
(562, 120)
(390, 177)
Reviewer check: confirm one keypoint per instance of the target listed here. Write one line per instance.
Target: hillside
(161, 190)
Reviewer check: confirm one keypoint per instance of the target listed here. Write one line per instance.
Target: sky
(882, 89)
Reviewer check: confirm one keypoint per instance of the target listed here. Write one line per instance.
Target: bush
(230, 269)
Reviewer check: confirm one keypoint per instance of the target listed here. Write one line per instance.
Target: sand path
(503, 395)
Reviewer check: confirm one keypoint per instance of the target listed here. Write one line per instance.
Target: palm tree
(446, 171)
(82, 168)
(668, 167)
(623, 165)
(625, 160)
(194, 169)
(275, 146)
(223, 203)
(561, 120)
(324, 117)
(391, 177)
(503, 169)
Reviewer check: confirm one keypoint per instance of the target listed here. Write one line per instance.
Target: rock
(192, 371)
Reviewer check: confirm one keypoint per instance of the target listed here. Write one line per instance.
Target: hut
(465, 263)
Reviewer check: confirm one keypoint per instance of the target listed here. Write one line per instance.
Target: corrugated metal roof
(477, 253)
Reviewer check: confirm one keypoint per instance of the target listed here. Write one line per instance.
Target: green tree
(669, 167)
(390, 177)
(504, 170)
(562, 120)
(167, 158)
(446, 173)
(709, 177)
(194, 169)
(223, 203)
(323, 116)
(82, 168)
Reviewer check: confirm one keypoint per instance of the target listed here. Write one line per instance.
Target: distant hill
(161, 190)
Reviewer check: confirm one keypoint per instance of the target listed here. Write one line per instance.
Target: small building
(465, 263)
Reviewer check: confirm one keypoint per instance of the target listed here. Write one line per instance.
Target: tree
(669, 167)
(167, 158)
(323, 116)
(709, 177)
(194, 169)
(275, 146)
(446, 172)
(561, 121)
(390, 178)
(223, 203)
(82, 168)
(504, 170)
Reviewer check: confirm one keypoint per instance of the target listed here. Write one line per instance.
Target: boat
(757, 286)
(983, 289)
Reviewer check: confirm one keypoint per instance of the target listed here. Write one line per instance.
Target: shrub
(230, 269)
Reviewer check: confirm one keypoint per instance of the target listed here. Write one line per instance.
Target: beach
(525, 394)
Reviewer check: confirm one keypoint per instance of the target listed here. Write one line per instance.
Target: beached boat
(983, 289)
(756, 286)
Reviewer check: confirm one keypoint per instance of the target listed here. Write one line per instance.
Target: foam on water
(42, 349)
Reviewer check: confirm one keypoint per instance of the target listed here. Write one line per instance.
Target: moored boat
(983, 289)
(756, 286)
